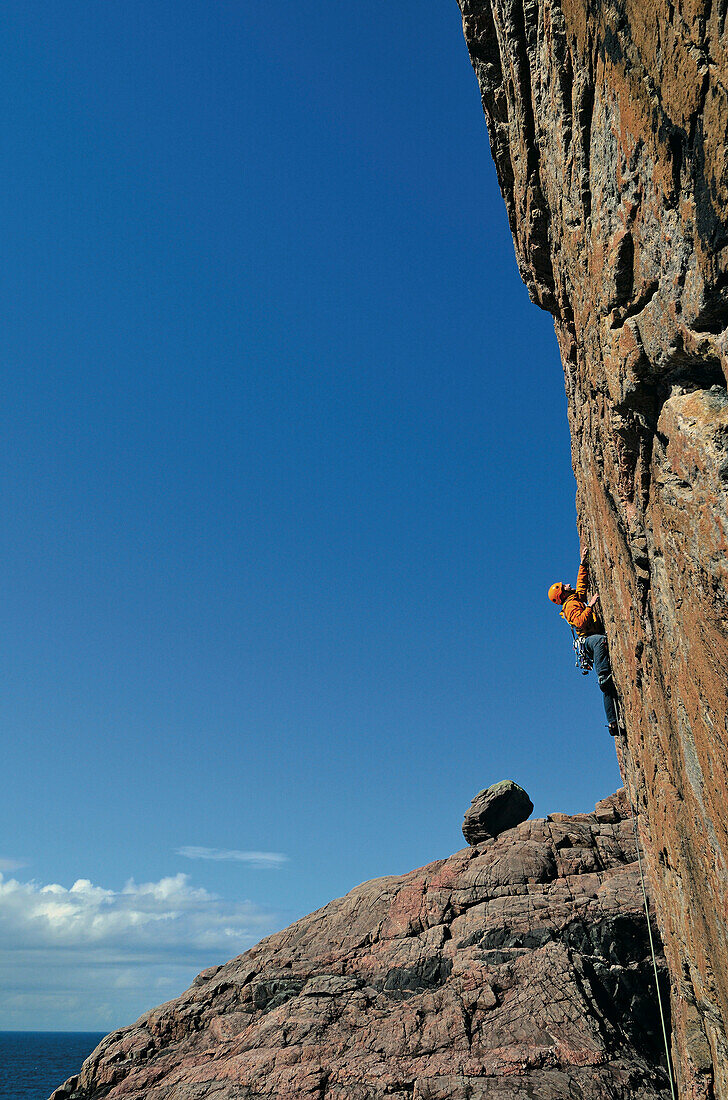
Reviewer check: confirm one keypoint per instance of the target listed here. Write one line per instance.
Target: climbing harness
(647, 915)
(584, 661)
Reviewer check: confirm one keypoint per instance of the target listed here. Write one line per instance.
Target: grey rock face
(492, 811)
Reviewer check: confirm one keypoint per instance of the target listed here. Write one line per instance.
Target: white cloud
(7, 865)
(254, 859)
(85, 957)
(169, 914)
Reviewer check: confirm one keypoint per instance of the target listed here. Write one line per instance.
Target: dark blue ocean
(34, 1063)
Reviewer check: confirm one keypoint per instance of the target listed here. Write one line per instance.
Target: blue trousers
(597, 646)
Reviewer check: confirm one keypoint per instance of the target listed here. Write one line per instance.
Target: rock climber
(586, 621)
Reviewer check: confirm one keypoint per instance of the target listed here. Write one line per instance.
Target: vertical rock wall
(607, 123)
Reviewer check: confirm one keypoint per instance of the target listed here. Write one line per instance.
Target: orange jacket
(585, 620)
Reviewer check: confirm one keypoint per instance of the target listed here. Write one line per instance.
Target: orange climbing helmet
(556, 592)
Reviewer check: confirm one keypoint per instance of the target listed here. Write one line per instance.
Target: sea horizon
(54, 1031)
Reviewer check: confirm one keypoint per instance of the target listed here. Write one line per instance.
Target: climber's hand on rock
(593, 600)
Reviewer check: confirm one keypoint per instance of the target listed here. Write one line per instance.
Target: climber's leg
(597, 644)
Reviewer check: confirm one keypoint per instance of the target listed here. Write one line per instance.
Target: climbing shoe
(614, 729)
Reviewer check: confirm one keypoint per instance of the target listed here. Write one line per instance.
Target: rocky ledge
(516, 968)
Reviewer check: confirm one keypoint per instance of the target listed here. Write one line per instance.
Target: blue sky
(286, 477)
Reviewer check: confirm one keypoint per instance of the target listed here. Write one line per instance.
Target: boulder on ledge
(492, 811)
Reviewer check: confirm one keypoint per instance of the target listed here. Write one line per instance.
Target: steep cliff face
(516, 969)
(607, 123)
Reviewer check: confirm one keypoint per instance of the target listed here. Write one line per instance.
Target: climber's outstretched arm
(582, 580)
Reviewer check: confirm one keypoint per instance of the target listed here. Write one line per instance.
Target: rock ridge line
(514, 969)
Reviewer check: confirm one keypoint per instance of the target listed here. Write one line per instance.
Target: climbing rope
(649, 925)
